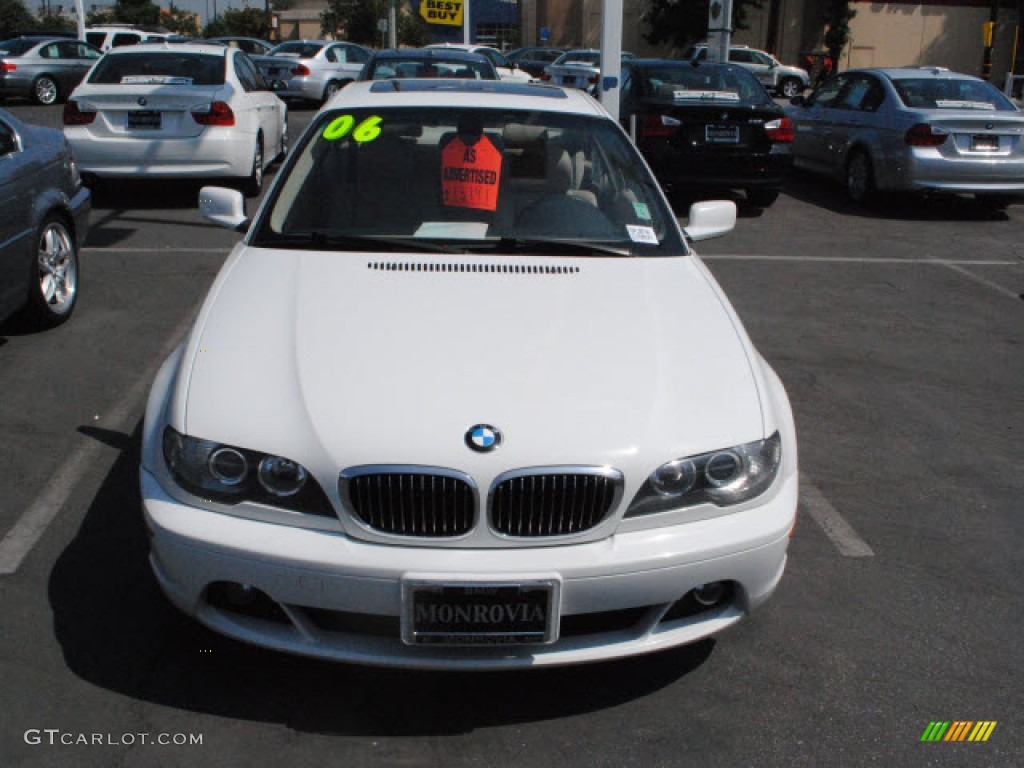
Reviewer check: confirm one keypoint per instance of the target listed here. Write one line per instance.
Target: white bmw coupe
(463, 397)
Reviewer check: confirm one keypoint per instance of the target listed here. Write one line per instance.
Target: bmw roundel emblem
(142, 101)
(483, 438)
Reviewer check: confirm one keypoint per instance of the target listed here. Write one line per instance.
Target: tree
(55, 22)
(179, 21)
(137, 12)
(356, 21)
(837, 34)
(239, 22)
(682, 22)
(14, 18)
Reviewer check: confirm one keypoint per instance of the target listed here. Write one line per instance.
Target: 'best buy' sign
(442, 11)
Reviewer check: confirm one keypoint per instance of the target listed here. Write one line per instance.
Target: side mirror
(224, 207)
(710, 218)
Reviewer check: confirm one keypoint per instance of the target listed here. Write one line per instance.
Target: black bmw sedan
(706, 127)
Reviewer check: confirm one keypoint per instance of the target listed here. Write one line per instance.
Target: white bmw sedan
(463, 397)
(176, 111)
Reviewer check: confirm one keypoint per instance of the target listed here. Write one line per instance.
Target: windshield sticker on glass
(470, 173)
(345, 125)
(951, 104)
(155, 80)
(642, 211)
(705, 95)
(641, 234)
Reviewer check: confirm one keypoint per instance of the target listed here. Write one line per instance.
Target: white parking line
(841, 533)
(33, 523)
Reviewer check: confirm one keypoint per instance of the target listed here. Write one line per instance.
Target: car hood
(351, 359)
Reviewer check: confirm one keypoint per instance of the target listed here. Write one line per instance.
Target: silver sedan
(44, 217)
(44, 69)
(912, 129)
(312, 70)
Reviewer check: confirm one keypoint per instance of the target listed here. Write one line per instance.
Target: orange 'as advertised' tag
(470, 174)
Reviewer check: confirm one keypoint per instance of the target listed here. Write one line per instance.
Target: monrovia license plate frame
(480, 612)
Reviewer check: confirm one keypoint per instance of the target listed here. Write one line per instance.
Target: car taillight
(924, 135)
(593, 79)
(219, 113)
(780, 130)
(8, 66)
(301, 70)
(75, 115)
(658, 126)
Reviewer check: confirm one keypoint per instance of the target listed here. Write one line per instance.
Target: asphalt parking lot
(898, 332)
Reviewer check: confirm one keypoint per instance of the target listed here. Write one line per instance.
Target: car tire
(791, 87)
(332, 88)
(860, 178)
(253, 184)
(282, 147)
(53, 288)
(762, 198)
(45, 90)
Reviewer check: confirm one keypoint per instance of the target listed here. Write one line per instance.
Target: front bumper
(310, 574)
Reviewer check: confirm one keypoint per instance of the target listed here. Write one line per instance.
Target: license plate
(479, 613)
(984, 143)
(722, 134)
(144, 119)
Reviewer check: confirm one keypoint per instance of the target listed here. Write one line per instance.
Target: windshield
(428, 66)
(951, 93)
(580, 57)
(159, 68)
(464, 179)
(17, 46)
(687, 84)
(296, 50)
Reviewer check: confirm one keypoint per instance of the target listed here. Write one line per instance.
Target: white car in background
(506, 69)
(176, 111)
(454, 403)
(578, 68)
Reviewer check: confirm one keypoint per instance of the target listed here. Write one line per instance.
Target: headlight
(726, 477)
(230, 475)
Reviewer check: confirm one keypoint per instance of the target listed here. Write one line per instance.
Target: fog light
(709, 594)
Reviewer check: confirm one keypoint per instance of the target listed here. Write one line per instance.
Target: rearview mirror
(224, 207)
(710, 218)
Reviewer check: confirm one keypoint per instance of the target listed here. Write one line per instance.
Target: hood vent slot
(487, 269)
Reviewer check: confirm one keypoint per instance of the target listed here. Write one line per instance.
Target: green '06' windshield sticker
(345, 125)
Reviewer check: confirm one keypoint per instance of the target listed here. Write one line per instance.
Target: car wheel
(45, 91)
(860, 179)
(282, 148)
(330, 89)
(993, 202)
(53, 289)
(791, 87)
(253, 185)
(762, 198)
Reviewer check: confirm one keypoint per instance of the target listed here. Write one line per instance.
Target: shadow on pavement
(117, 631)
(830, 195)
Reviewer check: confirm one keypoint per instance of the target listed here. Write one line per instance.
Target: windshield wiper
(322, 241)
(546, 247)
